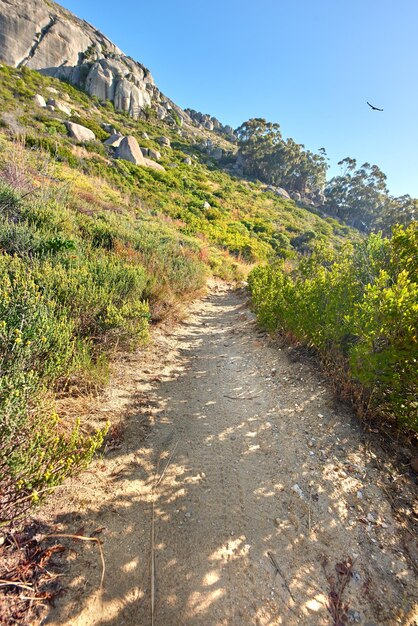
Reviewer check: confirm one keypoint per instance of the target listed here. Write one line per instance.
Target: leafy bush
(36, 348)
(359, 309)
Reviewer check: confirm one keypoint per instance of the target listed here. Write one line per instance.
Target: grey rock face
(79, 132)
(210, 123)
(129, 150)
(44, 36)
(114, 140)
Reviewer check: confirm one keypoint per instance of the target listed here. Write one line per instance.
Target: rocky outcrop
(114, 140)
(80, 133)
(129, 150)
(41, 35)
(209, 122)
(278, 191)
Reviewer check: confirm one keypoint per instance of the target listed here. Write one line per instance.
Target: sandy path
(253, 457)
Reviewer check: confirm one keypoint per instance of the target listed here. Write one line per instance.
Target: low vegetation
(93, 250)
(359, 310)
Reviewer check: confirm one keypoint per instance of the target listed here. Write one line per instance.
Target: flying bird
(374, 108)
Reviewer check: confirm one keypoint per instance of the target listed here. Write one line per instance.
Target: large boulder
(114, 140)
(154, 154)
(278, 191)
(129, 150)
(153, 165)
(164, 141)
(39, 100)
(80, 133)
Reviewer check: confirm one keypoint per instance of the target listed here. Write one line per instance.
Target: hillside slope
(95, 248)
(116, 207)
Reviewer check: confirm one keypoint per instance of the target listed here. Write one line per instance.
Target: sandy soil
(234, 457)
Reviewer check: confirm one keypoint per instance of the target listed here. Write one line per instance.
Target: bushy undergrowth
(243, 221)
(72, 286)
(359, 309)
(92, 249)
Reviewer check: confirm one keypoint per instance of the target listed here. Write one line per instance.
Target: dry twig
(278, 571)
(83, 538)
(241, 397)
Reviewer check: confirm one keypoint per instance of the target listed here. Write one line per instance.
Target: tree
(273, 160)
(357, 196)
(361, 198)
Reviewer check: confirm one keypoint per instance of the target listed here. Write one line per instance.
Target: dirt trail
(253, 458)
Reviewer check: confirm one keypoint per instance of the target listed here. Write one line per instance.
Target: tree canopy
(359, 196)
(272, 159)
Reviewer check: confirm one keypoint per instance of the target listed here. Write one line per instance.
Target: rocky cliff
(209, 122)
(42, 35)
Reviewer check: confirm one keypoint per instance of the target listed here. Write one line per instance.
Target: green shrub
(359, 308)
(36, 348)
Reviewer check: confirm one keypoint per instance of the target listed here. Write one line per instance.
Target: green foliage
(59, 151)
(359, 307)
(92, 250)
(360, 197)
(36, 348)
(270, 158)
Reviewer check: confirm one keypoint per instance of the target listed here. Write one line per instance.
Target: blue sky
(308, 64)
